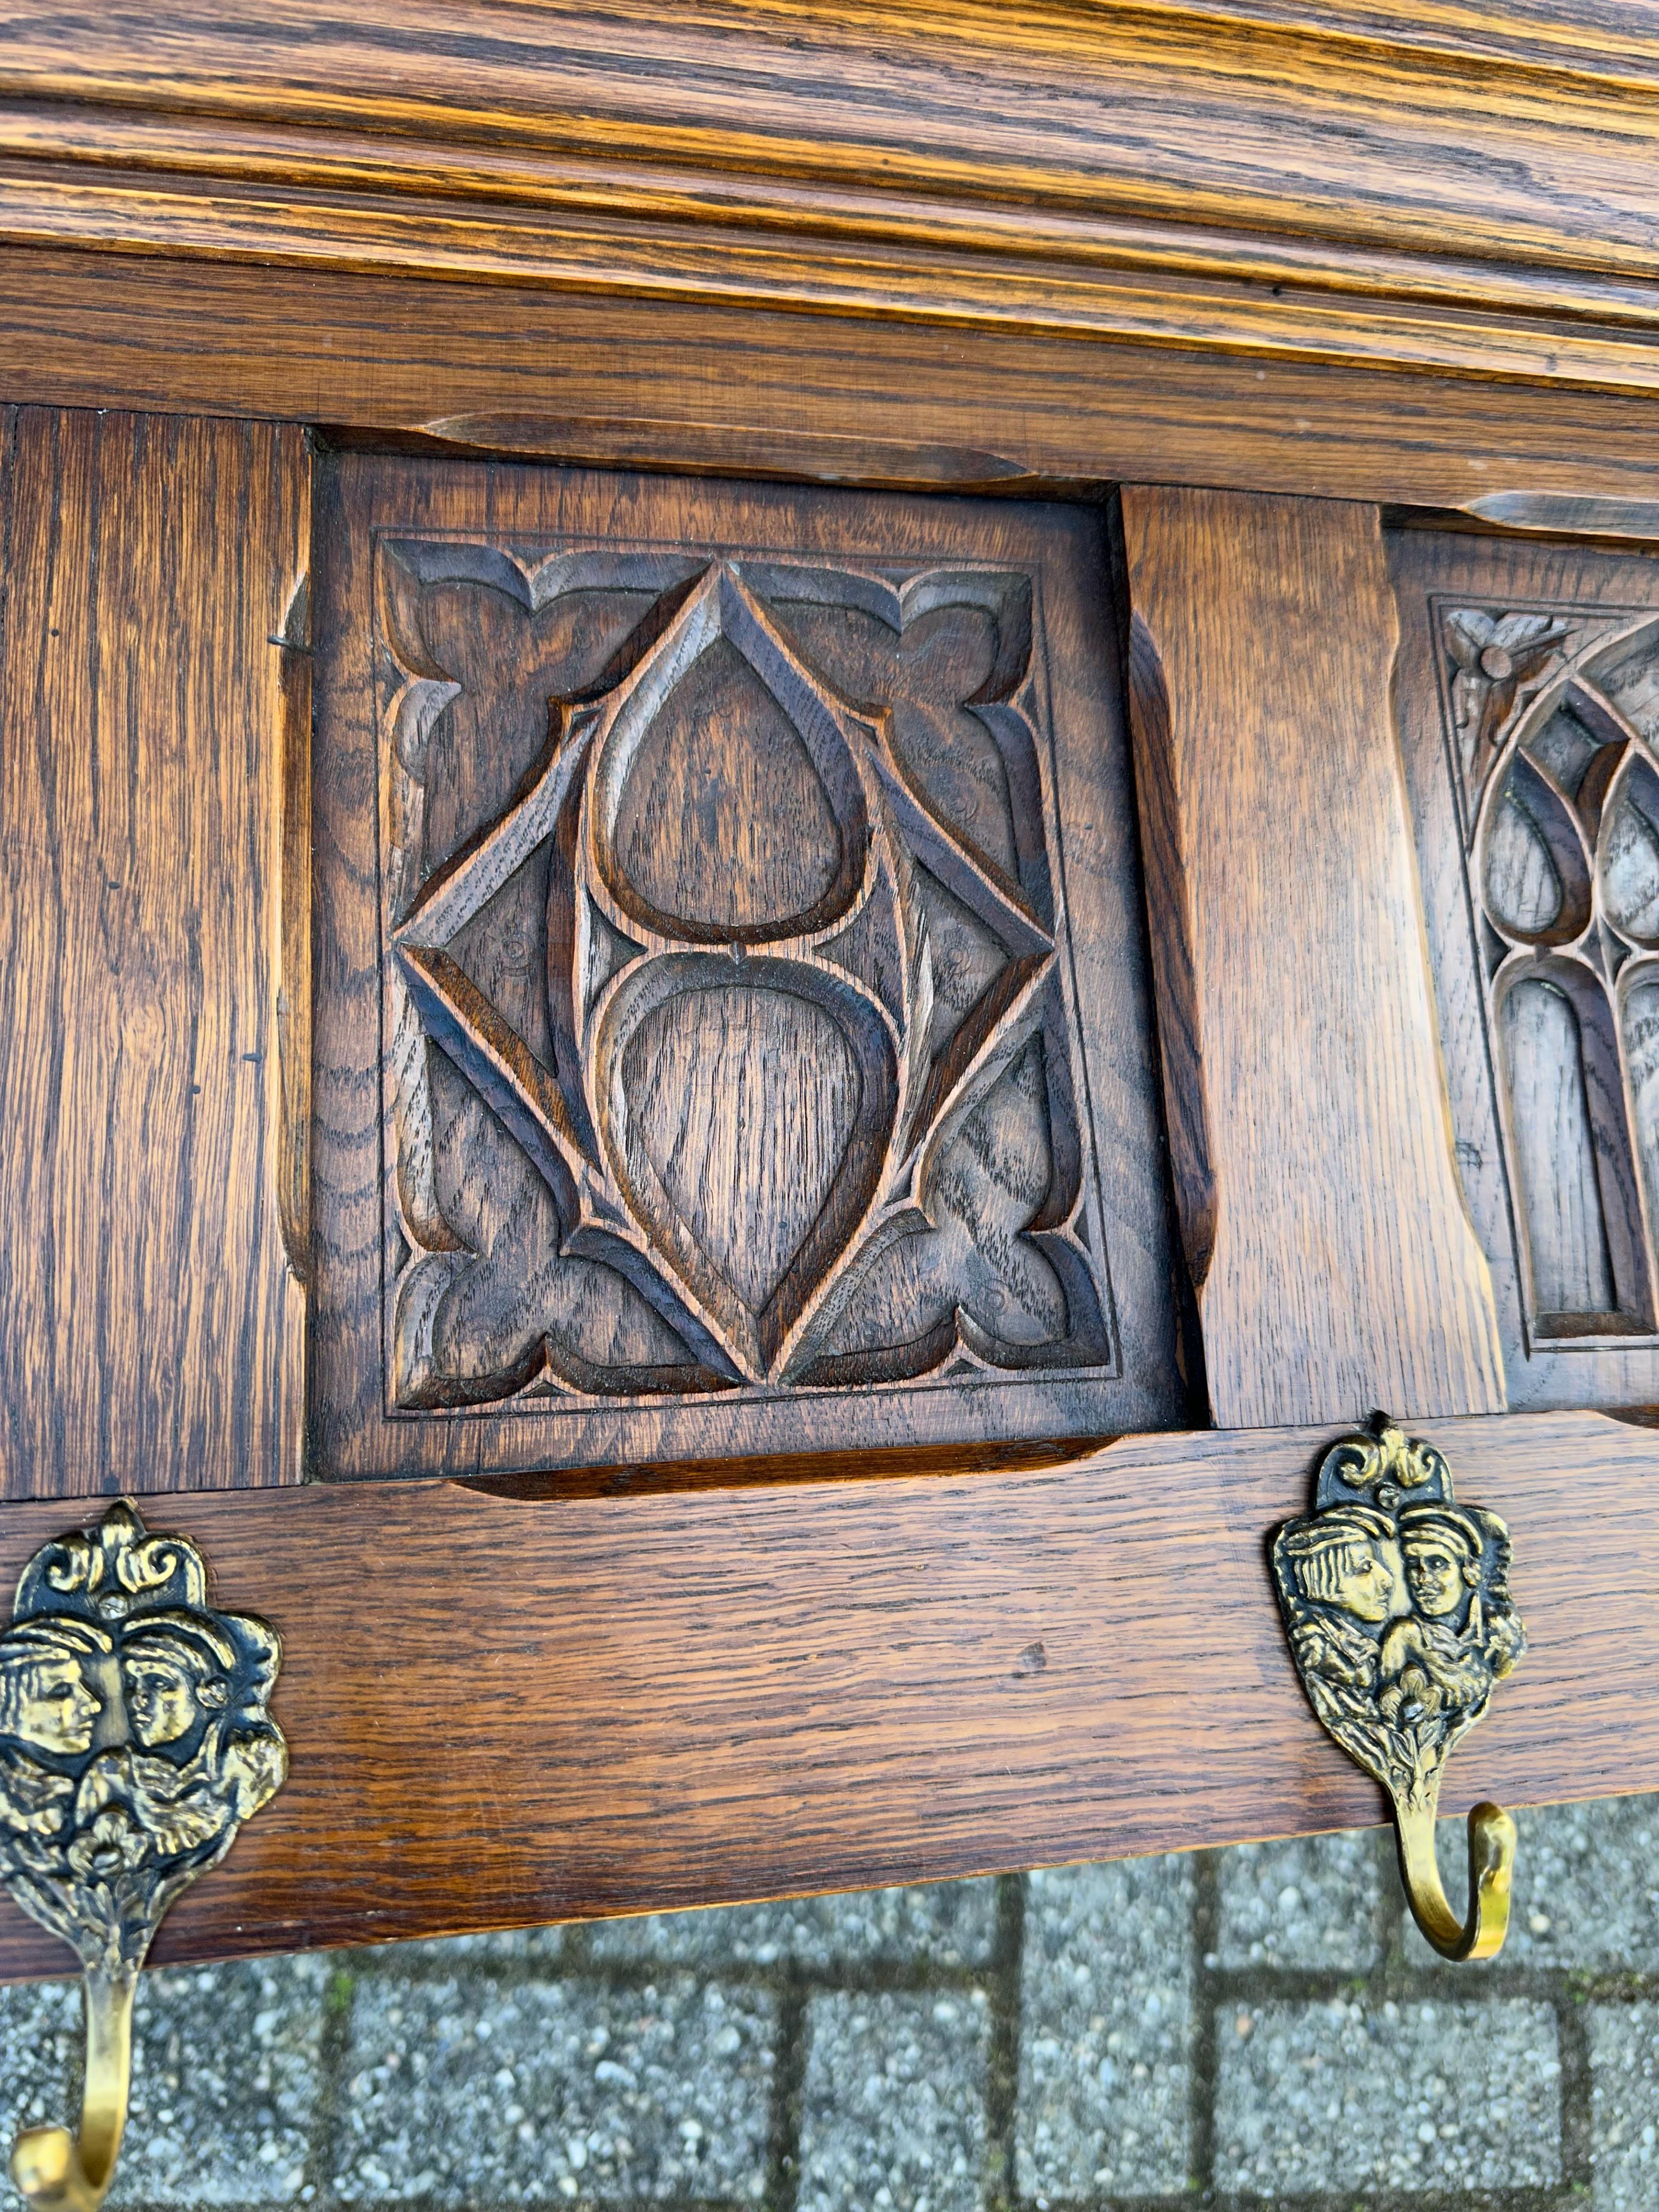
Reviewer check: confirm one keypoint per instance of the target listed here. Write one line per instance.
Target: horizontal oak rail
(502, 1713)
(727, 389)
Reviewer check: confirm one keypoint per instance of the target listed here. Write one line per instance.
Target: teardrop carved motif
(730, 1048)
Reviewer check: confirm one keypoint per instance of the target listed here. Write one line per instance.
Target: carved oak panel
(1530, 698)
(745, 1019)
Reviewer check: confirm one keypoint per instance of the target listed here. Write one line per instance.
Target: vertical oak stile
(1345, 1272)
(149, 1326)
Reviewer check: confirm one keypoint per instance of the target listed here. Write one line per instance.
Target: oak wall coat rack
(814, 820)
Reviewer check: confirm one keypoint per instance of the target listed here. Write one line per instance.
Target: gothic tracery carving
(728, 1044)
(1552, 724)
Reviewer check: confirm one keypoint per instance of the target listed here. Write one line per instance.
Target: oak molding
(502, 1712)
(1469, 191)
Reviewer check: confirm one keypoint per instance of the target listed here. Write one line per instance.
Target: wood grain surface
(1345, 1270)
(150, 1331)
(728, 390)
(1526, 676)
(502, 1712)
(1472, 194)
(733, 1030)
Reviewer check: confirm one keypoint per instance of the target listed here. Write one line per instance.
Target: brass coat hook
(1396, 1602)
(134, 1742)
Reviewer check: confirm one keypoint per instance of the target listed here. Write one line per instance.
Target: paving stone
(1312, 1902)
(39, 2055)
(893, 2102)
(473, 2092)
(1586, 1887)
(1623, 2047)
(225, 2079)
(490, 2071)
(1105, 2011)
(946, 1924)
(1448, 2096)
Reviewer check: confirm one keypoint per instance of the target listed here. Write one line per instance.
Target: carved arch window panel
(734, 1029)
(1529, 700)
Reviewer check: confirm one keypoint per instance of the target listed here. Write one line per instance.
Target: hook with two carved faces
(134, 1739)
(1396, 1602)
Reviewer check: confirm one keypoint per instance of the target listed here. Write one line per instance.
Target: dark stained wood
(294, 986)
(502, 1712)
(1563, 514)
(730, 944)
(1528, 679)
(1345, 1272)
(150, 1334)
(1169, 915)
(1334, 184)
(741, 390)
(645, 1477)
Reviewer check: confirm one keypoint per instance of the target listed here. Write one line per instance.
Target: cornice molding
(1471, 190)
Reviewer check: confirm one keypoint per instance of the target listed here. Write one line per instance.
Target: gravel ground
(1238, 2029)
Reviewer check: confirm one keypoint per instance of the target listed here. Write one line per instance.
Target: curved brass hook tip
(58, 2171)
(45, 2166)
(1491, 1866)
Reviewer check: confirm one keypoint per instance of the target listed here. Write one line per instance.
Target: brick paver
(1352, 2094)
(1239, 2029)
(952, 1923)
(1105, 2031)
(541, 2092)
(1318, 1902)
(893, 2102)
(1624, 2049)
